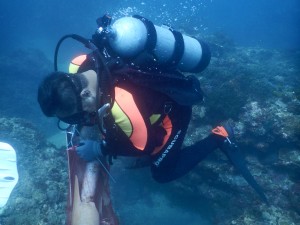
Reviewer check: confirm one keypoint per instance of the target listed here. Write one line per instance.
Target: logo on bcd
(164, 154)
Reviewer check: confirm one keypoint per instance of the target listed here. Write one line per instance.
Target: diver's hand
(89, 150)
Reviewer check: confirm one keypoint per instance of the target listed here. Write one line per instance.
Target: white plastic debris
(8, 172)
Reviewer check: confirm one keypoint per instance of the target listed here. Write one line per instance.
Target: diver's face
(89, 93)
(86, 106)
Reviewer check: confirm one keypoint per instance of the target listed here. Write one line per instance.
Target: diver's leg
(180, 161)
(173, 162)
(190, 156)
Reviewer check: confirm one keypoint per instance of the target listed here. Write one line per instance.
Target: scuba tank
(141, 44)
(132, 37)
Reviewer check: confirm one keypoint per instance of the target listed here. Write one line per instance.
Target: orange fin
(219, 130)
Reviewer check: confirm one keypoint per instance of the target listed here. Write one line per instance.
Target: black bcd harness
(185, 90)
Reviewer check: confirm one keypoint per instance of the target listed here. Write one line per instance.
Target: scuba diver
(139, 99)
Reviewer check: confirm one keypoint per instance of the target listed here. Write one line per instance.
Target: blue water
(266, 23)
(35, 24)
(38, 24)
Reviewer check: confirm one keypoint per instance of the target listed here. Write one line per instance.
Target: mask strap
(77, 88)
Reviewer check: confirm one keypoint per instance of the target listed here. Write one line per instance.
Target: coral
(257, 88)
(42, 187)
(263, 100)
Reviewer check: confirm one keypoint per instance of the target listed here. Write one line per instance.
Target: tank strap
(178, 49)
(205, 58)
(151, 33)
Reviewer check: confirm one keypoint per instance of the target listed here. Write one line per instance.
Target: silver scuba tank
(131, 36)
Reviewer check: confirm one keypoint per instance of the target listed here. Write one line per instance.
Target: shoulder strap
(185, 90)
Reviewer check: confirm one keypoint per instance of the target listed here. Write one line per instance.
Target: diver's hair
(56, 93)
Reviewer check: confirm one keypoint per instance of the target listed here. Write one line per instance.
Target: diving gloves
(89, 150)
(235, 156)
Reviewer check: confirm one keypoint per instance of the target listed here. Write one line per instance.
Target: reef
(256, 89)
(41, 193)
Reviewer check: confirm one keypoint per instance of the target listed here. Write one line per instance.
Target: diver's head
(70, 97)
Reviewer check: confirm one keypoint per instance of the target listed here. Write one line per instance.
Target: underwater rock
(257, 89)
(42, 185)
(21, 71)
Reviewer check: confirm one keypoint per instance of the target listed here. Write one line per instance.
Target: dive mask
(82, 118)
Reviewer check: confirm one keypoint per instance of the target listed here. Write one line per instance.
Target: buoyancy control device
(131, 38)
(139, 43)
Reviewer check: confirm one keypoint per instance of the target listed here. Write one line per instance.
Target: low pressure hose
(76, 37)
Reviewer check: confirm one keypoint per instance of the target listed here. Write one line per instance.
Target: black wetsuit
(172, 161)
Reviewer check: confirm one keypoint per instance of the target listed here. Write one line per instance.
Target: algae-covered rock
(42, 187)
(257, 89)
